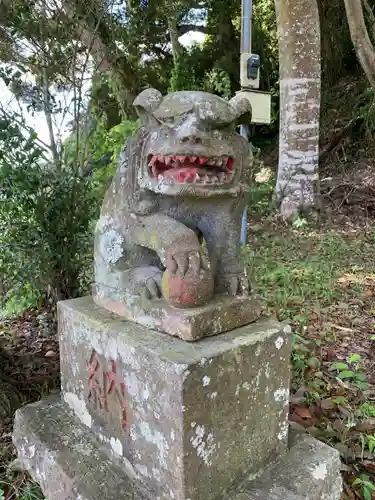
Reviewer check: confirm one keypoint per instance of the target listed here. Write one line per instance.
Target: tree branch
(105, 54)
(47, 113)
(360, 38)
(185, 28)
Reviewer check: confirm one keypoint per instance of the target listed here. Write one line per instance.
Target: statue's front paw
(152, 288)
(143, 281)
(234, 285)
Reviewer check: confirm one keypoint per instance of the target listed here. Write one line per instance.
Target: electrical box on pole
(250, 70)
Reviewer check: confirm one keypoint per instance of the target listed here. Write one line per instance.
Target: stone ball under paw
(187, 291)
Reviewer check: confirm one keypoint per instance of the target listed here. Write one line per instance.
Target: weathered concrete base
(189, 418)
(309, 471)
(60, 454)
(222, 314)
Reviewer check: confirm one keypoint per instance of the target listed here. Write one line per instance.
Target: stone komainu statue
(182, 178)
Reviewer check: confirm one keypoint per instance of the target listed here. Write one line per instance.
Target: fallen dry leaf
(303, 412)
(327, 404)
(50, 354)
(367, 425)
(342, 328)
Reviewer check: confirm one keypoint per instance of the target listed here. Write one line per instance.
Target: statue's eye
(168, 121)
(226, 127)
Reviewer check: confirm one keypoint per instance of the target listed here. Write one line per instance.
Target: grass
(297, 269)
(14, 485)
(322, 281)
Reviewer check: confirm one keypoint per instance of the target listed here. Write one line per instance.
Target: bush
(48, 212)
(45, 213)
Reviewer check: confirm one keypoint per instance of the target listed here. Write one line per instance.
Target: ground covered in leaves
(29, 370)
(321, 280)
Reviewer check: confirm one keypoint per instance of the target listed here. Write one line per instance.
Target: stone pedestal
(170, 420)
(221, 314)
(184, 419)
(59, 452)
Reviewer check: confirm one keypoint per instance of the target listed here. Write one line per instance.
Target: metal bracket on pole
(246, 21)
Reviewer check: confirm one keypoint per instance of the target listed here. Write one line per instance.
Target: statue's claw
(144, 281)
(152, 289)
(188, 262)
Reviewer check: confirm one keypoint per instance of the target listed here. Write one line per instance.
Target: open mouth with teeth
(191, 169)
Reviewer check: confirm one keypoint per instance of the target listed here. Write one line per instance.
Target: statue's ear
(242, 109)
(146, 103)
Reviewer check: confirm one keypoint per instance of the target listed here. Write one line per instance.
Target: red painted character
(103, 383)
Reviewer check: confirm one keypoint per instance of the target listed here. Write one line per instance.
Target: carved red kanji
(104, 383)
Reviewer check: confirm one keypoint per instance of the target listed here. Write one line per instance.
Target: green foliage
(19, 298)
(47, 214)
(296, 270)
(27, 490)
(265, 43)
(104, 140)
(186, 75)
(261, 189)
(299, 222)
(44, 217)
(31, 491)
(303, 356)
(101, 143)
(338, 54)
(367, 409)
(182, 75)
(302, 274)
(366, 486)
(351, 371)
(218, 82)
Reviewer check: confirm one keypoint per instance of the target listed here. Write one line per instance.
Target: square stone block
(185, 420)
(60, 454)
(310, 470)
(221, 314)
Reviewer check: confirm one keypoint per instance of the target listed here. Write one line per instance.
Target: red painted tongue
(182, 173)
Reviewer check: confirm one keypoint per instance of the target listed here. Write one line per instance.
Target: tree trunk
(173, 35)
(106, 55)
(297, 187)
(361, 40)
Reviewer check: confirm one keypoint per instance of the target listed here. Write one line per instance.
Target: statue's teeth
(161, 159)
(196, 178)
(181, 159)
(154, 170)
(230, 164)
(153, 160)
(206, 179)
(215, 179)
(225, 161)
(222, 177)
(203, 161)
(211, 162)
(168, 160)
(219, 162)
(193, 159)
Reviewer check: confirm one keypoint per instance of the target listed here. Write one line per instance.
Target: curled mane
(125, 184)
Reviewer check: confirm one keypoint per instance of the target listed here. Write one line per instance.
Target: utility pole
(249, 74)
